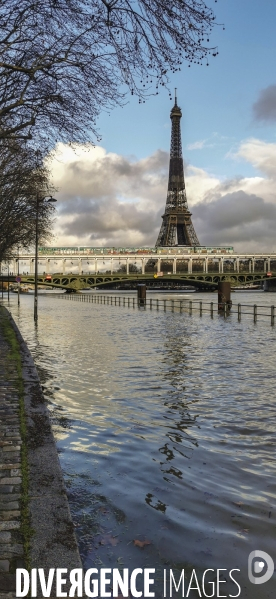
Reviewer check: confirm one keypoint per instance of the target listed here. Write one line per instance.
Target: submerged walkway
(36, 529)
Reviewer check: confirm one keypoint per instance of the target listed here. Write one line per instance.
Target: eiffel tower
(177, 227)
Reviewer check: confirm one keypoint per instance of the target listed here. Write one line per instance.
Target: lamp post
(8, 281)
(38, 201)
(18, 282)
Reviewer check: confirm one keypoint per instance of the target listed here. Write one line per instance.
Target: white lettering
(133, 577)
(33, 582)
(197, 587)
(104, 581)
(46, 588)
(211, 583)
(148, 581)
(87, 583)
(230, 574)
(181, 579)
(76, 582)
(21, 572)
(60, 582)
(219, 581)
(119, 582)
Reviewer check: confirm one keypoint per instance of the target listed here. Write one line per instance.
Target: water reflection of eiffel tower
(177, 227)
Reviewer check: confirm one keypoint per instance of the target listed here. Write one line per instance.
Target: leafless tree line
(64, 61)
(24, 183)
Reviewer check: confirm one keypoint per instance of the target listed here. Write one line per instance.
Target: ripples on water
(165, 425)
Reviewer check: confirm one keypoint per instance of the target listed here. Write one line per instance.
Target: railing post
(255, 313)
(128, 302)
(200, 308)
(119, 301)
(150, 303)
(172, 302)
(134, 302)
(141, 295)
(180, 306)
(190, 307)
(165, 305)
(272, 315)
(225, 309)
(157, 304)
(239, 312)
(212, 309)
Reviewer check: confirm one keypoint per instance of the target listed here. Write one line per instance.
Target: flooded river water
(165, 426)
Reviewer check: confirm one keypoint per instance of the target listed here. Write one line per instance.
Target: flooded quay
(165, 427)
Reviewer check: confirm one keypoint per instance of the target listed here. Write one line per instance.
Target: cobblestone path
(11, 543)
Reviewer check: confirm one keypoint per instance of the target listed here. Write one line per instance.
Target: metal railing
(256, 312)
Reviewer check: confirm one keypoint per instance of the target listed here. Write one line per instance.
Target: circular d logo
(260, 567)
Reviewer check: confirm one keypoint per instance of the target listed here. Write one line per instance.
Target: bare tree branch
(63, 61)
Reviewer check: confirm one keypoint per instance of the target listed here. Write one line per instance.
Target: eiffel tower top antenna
(175, 96)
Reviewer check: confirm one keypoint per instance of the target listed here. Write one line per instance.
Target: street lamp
(38, 201)
(18, 282)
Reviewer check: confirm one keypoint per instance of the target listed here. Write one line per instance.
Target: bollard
(157, 304)
(141, 295)
(165, 305)
(190, 307)
(212, 309)
(239, 312)
(128, 302)
(150, 303)
(134, 302)
(272, 315)
(200, 308)
(180, 307)
(172, 303)
(255, 313)
(224, 296)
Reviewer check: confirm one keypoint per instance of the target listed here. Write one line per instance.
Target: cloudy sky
(114, 194)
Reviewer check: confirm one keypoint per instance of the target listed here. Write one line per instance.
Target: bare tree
(63, 61)
(23, 182)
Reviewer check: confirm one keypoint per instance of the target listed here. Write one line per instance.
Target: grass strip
(14, 357)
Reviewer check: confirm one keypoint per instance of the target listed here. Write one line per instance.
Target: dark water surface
(165, 424)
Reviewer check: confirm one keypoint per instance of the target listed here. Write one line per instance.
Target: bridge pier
(270, 285)
(224, 295)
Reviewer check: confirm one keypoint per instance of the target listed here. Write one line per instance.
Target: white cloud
(107, 200)
(197, 145)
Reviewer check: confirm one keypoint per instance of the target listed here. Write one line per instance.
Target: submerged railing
(256, 312)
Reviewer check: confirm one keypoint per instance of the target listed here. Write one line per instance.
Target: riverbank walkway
(11, 538)
(36, 529)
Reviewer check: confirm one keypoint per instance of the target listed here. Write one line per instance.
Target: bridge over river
(81, 268)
